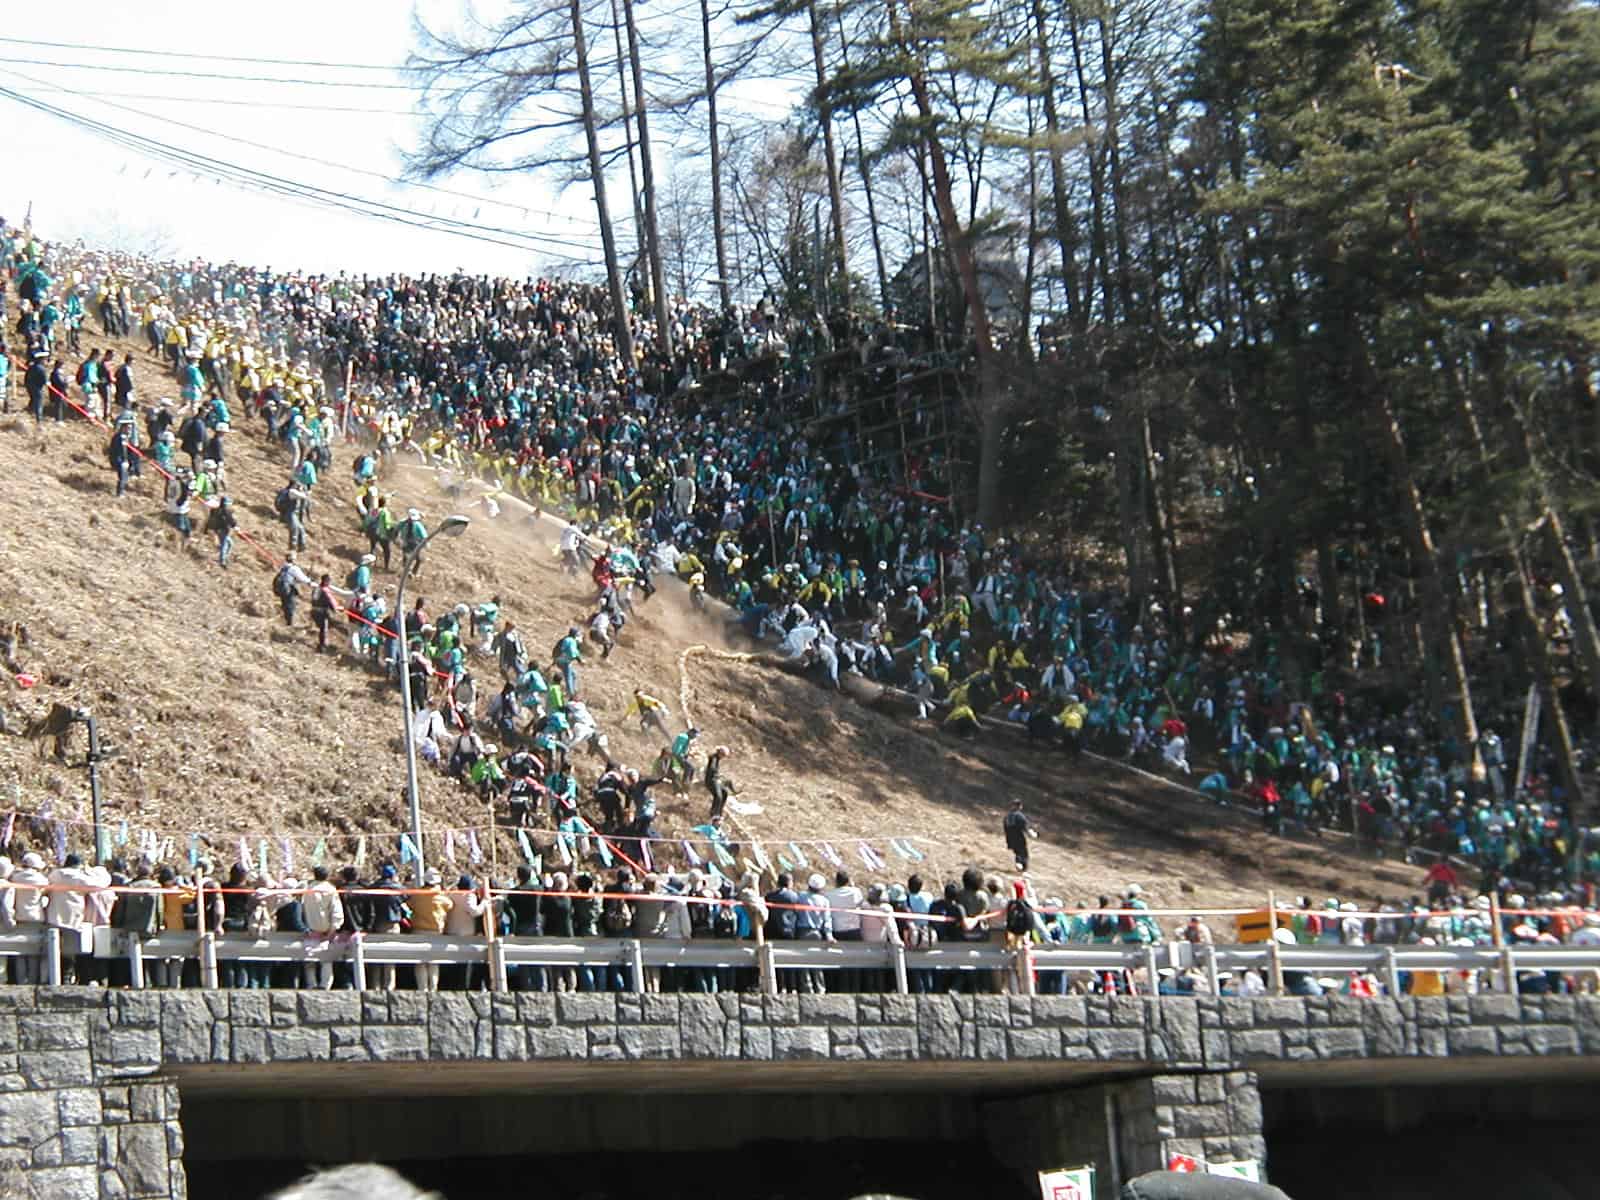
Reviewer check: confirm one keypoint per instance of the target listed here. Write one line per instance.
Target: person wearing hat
(223, 520)
(180, 490)
(26, 888)
(288, 916)
(1136, 929)
(388, 907)
(119, 453)
(814, 922)
(215, 450)
(360, 579)
(293, 506)
(1297, 983)
(35, 380)
(411, 533)
(58, 387)
(1352, 928)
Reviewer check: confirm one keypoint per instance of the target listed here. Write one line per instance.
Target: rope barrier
(367, 890)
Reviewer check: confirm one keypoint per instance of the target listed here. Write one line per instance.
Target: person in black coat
(524, 907)
(290, 917)
(35, 381)
(58, 388)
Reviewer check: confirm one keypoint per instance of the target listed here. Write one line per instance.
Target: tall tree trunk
(1332, 614)
(1439, 632)
(658, 273)
(1097, 216)
(1031, 256)
(878, 259)
(641, 248)
(1128, 508)
(1066, 224)
(723, 291)
(597, 173)
(1119, 224)
(1157, 514)
(991, 397)
(872, 216)
(829, 150)
(1535, 646)
(1536, 651)
(1585, 634)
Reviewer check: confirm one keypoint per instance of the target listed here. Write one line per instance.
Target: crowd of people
(330, 908)
(843, 563)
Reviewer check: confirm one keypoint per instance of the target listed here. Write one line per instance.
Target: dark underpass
(1518, 1140)
(714, 1131)
(816, 1145)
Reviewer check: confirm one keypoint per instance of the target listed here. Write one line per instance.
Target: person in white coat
(8, 898)
(465, 919)
(28, 904)
(324, 914)
(71, 886)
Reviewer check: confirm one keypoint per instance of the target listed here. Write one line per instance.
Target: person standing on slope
(1018, 833)
(286, 585)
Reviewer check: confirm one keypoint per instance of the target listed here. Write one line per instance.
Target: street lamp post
(452, 526)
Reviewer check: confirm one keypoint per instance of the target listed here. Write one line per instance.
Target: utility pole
(96, 798)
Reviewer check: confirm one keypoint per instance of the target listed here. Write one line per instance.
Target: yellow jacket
(429, 908)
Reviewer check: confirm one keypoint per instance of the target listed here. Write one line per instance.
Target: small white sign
(1246, 1169)
(1069, 1183)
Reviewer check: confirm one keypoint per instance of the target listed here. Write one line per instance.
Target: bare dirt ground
(226, 722)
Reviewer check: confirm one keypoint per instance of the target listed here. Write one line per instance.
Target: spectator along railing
(633, 960)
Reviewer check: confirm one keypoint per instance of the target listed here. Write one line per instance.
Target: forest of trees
(1306, 293)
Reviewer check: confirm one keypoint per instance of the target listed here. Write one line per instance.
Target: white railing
(634, 957)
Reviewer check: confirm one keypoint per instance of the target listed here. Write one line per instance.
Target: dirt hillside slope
(227, 723)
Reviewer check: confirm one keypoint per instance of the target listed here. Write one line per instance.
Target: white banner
(1069, 1183)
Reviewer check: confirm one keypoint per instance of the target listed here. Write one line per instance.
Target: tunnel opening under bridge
(618, 1133)
(1490, 1133)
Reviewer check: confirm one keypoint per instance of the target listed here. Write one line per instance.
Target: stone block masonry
(89, 1079)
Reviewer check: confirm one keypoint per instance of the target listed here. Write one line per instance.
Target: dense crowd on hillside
(513, 389)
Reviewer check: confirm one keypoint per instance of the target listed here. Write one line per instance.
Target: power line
(323, 162)
(35, 62)
(202, 100)
(278, 185)
(276, 62)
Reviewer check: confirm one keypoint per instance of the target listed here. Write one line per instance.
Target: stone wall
(1216, 1034)
(89, 1102)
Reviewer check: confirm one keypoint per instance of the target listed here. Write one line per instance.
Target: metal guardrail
(634, 957)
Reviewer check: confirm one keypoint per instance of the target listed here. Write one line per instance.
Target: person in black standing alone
(1017, 834)
(122, 382)
(523, 905)
(58, 388)
(357, 919)
(35, 381)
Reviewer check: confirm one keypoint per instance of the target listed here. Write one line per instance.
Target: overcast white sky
(81, 184)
